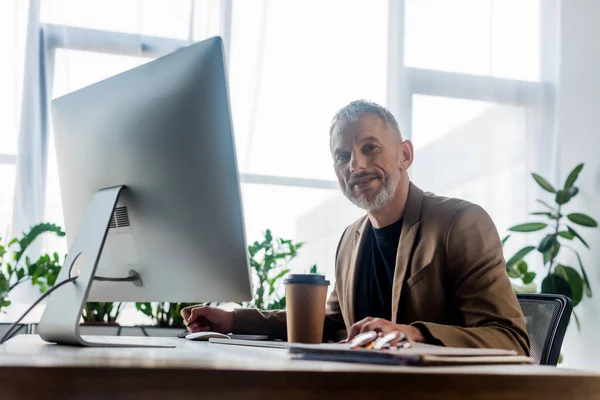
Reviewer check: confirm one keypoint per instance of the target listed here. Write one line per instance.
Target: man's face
(368, 158)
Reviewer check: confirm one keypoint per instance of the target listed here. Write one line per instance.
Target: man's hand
(384, 326)
(201, 318)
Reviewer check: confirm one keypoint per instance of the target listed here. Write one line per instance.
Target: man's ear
(406, 156)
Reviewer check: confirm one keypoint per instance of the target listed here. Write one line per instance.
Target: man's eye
(370, 147)
(342, 158)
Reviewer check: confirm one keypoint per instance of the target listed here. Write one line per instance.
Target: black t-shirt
(376, 272)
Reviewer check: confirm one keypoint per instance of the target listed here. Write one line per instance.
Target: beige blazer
(450, 279)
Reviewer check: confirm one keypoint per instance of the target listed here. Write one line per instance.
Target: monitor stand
(60, 321)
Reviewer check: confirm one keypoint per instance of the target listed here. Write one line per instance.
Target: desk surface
(30, 367)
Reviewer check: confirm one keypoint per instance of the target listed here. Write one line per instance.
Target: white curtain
(32, 150)
(13, 35)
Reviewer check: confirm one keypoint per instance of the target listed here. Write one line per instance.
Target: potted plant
(101, 313)
(99, 318)
(562, 236)
(269, 260)
(16, 267)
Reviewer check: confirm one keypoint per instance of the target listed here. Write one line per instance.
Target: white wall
(579, 141)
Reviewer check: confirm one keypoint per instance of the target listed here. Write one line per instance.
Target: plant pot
(154, 331)
(99, 323)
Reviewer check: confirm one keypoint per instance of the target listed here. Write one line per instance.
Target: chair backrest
(546, 318)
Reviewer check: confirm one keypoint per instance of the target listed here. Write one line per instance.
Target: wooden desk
(30, 368)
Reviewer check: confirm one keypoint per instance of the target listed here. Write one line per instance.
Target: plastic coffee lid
(311, 279)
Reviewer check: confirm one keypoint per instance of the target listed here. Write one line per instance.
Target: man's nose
(358, 162)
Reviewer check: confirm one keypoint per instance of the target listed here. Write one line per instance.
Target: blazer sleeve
(480, 288)
(273, 323)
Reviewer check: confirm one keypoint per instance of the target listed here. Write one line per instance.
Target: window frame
(120, 43)
(403, 81)
(538, 98)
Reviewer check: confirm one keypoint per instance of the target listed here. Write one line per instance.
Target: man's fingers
(185, 312)
(356, 328)
(199, 312)
(373, 325)
(195, 327)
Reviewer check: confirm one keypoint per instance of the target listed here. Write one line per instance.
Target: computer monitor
(150, 190)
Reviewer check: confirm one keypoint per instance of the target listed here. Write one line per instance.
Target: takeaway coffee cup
(305, 299)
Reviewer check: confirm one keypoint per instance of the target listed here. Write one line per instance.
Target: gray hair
(357, 108)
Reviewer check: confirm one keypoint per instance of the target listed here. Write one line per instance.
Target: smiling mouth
(363, 181)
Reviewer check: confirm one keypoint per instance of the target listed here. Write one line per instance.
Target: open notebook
(418, 354)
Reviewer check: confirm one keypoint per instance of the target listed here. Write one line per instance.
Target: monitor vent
(120, 218)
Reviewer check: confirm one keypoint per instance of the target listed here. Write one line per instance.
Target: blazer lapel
(350, 295)
(410, 229)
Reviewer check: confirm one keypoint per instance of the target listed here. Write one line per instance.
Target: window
(497, 38)
(465, 78)
(13, 28)
(475, 99)
(472, 150)
(168, 18)
(286, 83)
(283, 101)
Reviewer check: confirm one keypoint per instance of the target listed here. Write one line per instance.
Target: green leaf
(20, 274)
(145, 308)
(313, 269)
(566, 235)
(33, 233)
(546, 243)
(522, 266)
(574, 280)
(583, 220)
(4, 286)
(555, 248)
(551, 253)
(573, 176)
(268, 236)
(546, 205)
(513, 272)
(573, 191)
(529, 277)
(519, 255)
(547, 256)
(578, 236)
(556, 284)
(543, 183)
(562, 197)
(544, 213)
(528, 227)
(586, 282)
(505, 239)
(280, 275)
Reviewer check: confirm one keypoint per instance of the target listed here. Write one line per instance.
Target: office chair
(546, 319)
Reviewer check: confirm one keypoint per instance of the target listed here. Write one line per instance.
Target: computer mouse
(204, 336)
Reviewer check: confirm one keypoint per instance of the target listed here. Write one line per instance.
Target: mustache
(354, 179)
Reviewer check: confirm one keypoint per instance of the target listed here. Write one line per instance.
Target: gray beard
(384, 195)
